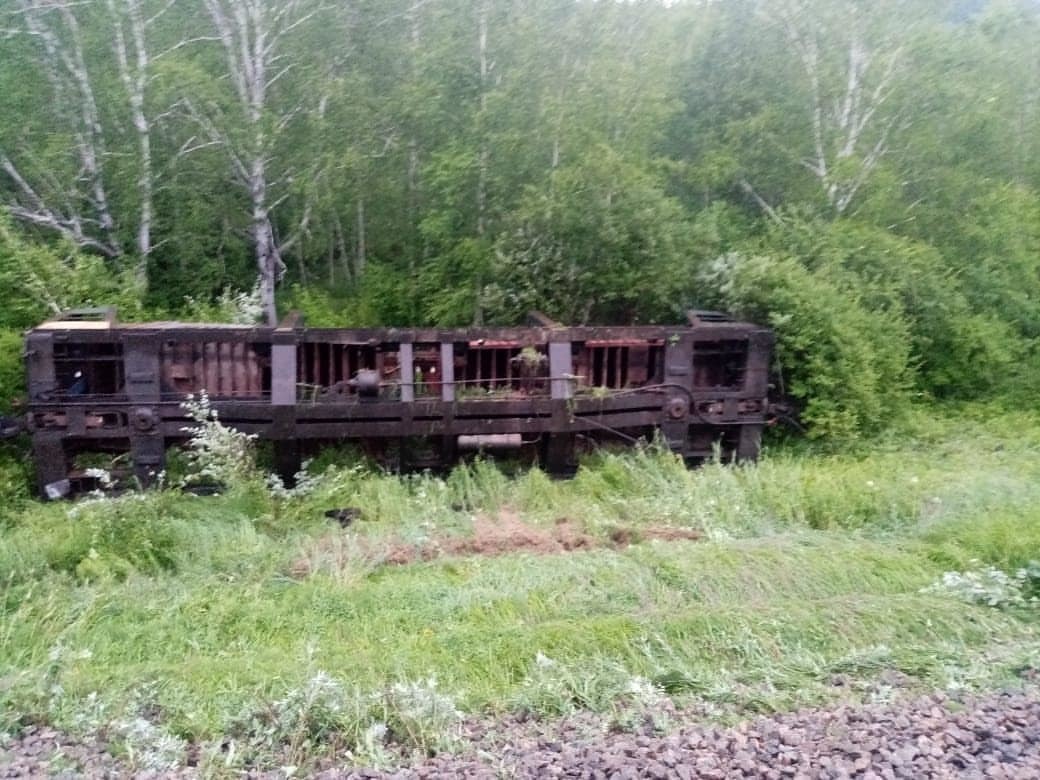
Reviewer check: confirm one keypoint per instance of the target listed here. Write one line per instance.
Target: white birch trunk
(362, 246)
(482, 161)
(482, 164)
(849, 140)
(250, 32)
(133, 70)
(55, 27)
(414, 160)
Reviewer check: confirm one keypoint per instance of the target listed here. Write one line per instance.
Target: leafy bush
(242, 307)
(12, 370)
(996, 242)
(848, 366)
(319, 308)
(604, 243)
(15, 477)
(956, 348)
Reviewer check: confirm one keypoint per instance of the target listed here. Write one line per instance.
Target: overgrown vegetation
(861, 176)
(250, 619)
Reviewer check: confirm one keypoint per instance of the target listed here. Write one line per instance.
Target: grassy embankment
(167, 617)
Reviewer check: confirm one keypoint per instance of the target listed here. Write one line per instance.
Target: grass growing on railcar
(251, 617)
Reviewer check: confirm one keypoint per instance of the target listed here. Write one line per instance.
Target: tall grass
(250, 617)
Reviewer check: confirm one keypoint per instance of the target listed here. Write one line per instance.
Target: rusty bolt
(143, 419)
(677, 407)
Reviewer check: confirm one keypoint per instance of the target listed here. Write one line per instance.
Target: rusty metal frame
(295, 385)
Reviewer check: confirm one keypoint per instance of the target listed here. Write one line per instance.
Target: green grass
(812, 566)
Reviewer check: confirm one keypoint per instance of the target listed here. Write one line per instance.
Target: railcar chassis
(96, 384)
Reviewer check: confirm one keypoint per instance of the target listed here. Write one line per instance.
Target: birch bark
(84, 217)
(134, 64)
(850, 132)
(251, 33)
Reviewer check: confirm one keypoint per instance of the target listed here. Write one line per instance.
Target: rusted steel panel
(560, 370)
(254, 381)
(39, 352)
(757, 370)
(406, 368)
(283, 374)
(447, 371)
(141, 367)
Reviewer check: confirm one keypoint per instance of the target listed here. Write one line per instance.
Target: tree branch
(762, 204)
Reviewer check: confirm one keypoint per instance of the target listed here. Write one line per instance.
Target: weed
(643, 706)
(110, 538)
(991, 587)
(306, 717)
(420, 716)
(555, 688)
(217, 452)
(323, 713)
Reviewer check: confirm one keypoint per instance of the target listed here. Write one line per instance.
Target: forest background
(864, 177)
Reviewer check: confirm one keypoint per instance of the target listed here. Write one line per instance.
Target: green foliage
(1008, 540)
(12, 369)
(599, 242)
(216, 452)
(956, 349)
(301, 638)
(15, 477)
(591, 160)
(238, 308)
(457, 276)
(847, 365)
(994, 247)
(320, 309)
(40, 281)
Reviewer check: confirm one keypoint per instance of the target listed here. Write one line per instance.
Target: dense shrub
(957, 349)
(603, 243)
(847, 365)
(12, 371)
(114, 537)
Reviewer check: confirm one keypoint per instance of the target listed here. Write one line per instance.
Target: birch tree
(253, 34)
(76, 206)
(851, 107)
(131, 52)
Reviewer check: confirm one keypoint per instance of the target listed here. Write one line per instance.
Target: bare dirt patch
(499, 534)
(507, 532)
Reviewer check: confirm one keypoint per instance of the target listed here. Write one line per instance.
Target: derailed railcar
(423, 394)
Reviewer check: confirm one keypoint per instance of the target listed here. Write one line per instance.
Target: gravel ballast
(996, 735)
